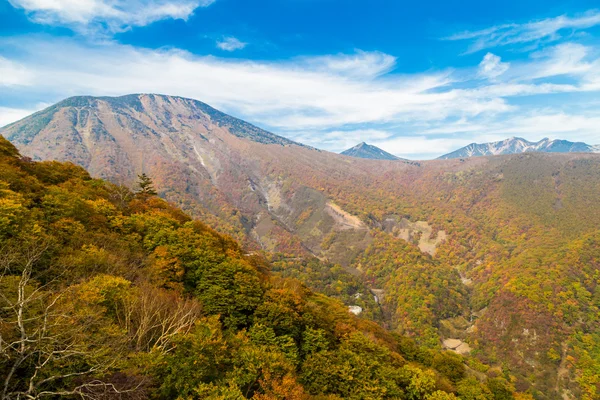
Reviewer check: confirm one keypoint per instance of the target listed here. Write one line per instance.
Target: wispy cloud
(492, 66)
(280, 94)
(230, 43)
(361, 63)
(563, 59)
(338, 140)
(8, 115)
(315, 95)
(550, 29)
(534, 124)
(93, 16)
(13, 73)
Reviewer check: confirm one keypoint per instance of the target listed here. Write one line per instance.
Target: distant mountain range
(363, 150)
(516, 145)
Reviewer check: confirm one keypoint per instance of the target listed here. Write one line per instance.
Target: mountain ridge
(515, 145)
(134, 101)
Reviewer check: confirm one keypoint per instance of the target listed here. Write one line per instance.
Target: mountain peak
(166, 113)
(364, 150)
(516, 145)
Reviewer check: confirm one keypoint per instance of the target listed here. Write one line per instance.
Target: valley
(493, 257)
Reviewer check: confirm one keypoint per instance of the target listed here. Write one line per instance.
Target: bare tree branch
(38, 340)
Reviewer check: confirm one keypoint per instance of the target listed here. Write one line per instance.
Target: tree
(120, 194)
(440, 395)
(154, 316)
(51, 343)
(449, 364)
(500, 389)
(146, 185)
(199, 358)
(420, 382)
(472, 389)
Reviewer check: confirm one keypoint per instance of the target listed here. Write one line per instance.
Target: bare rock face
(452, 343)
(419, 231)
(457, 346)
(463, 349)
(120, 136)
(356, 310)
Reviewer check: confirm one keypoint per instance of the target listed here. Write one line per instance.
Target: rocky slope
(517, 145)
(210, 163)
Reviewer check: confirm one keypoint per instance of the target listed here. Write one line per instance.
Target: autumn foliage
(109, 294)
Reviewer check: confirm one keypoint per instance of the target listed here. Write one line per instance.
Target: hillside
(493, 255)
(363, 150)
(195, 154)
(516, 145)
(106, 293)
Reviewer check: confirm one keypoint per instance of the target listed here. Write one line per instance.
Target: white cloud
(338, 140)
(554, 125)
(362, 63)
(9, 115)
(525, 77)
(332, 101)
(278, 94)
(230, 44)
(410, 146)
(492, 66)
(107, 15)
(420, 146)
(12, 73)
(549, 29)
(535, 124)
(563, 59)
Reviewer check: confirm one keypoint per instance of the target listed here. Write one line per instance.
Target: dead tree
(41, 346)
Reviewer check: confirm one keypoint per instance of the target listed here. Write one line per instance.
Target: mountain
(213, 165)
(123, 107)
(491, 256)
(516, 145)
(363, 150)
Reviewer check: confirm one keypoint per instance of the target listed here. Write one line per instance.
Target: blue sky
(418, 79)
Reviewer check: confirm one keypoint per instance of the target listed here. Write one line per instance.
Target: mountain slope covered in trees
(110, 294)
(498, 255)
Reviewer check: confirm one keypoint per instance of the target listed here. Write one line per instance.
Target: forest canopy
(106, 293)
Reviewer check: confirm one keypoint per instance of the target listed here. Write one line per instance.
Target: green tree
(199, 357)
(439, 395)
(449, 364)
(500, 389)
(146, 185)
(472, 389)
